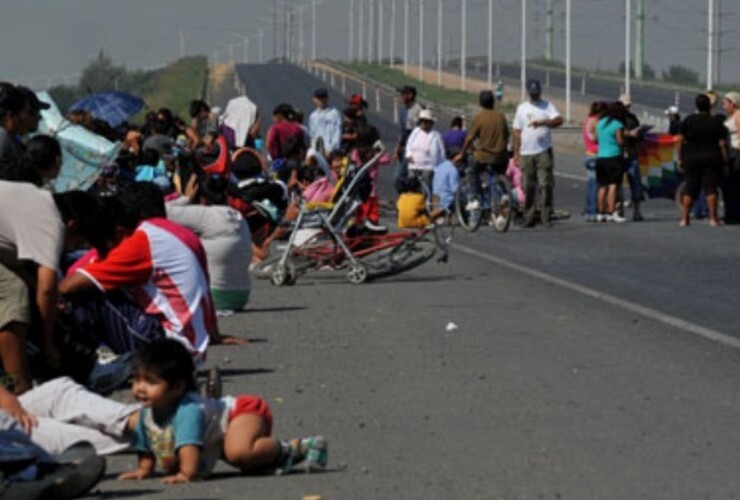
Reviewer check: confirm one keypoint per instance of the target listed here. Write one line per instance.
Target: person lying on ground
(184, 434)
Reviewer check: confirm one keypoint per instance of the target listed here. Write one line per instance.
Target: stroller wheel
(357, 274)
(284, 274)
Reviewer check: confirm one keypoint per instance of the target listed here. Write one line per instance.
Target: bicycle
(442, 218)
(497, 206)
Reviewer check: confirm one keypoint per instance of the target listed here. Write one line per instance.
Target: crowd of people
(707, 157)
(127, 280)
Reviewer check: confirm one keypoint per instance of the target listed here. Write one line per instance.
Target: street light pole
(627, 39)
(351, 30)
(710, 44)
(313, 30)
(393, 33)
(360, 20)
(567, 59)
(523, 69)
(421, 40)
(439, 42)
(380, 31)
(405, 37)
(370, 30)
(464, 44)
(490, 43)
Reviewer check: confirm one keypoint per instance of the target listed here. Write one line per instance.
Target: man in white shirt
(533, 151)
(325, 123)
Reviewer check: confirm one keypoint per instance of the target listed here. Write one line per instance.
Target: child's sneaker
(316, 453)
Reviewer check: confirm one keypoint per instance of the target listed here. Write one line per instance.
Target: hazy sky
(54, 39)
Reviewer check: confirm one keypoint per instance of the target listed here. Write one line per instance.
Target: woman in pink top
(591, 147)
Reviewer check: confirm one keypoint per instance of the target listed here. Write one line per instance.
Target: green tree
(101, 75)
(681, 74)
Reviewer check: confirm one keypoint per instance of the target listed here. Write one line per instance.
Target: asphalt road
(474, 379)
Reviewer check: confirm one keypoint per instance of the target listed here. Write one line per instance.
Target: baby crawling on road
(184, 434)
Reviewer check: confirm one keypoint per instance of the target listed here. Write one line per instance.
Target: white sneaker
(107, 376)
(615, 217)
(600, 218)
(376, 228)
(472, 206)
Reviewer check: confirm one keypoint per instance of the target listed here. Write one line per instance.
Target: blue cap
(533, 86)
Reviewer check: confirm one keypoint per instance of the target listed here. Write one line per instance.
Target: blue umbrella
(113, 107)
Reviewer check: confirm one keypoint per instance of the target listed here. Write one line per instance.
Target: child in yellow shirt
(411, 205)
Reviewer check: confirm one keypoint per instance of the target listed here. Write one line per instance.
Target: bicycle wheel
(405, 256)
(468, 216)
(502, 203)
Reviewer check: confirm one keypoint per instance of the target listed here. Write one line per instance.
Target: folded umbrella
(84, 153)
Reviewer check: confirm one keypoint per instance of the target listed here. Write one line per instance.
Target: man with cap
(325, 123)
(31, 112)
(533, 153)
(633, 135)
(408, 117)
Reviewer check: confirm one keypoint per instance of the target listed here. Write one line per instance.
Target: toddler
(184, 434)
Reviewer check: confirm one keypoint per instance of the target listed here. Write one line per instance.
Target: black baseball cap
(31, 100)
(11, 99)
(533, 86)
(321, 93)
(407, 89)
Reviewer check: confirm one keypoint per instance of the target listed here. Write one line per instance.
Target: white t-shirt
(30, 226)
(535, 140)
(226, 240)
(426, 148)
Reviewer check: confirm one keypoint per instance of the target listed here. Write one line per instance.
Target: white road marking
(571, 176)
(647, 312)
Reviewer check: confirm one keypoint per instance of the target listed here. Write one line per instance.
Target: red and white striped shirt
(164, 266)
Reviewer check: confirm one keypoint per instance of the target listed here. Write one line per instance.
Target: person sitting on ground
(35, 228)
(153, 169)
(152, 283)
(203, 209)
(445, 184)
(184, 434)
(411, 204)
(45, 155)
(202, 122)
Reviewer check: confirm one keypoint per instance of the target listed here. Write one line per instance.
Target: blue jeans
(117, 321)
(402, 171)
(592, 188)
(634, 177)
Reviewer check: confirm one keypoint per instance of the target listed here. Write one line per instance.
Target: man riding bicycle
(491, 132)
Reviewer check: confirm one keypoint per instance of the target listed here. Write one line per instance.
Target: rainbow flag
(658, 165)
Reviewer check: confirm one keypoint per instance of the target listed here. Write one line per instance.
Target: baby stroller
(323, 239)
